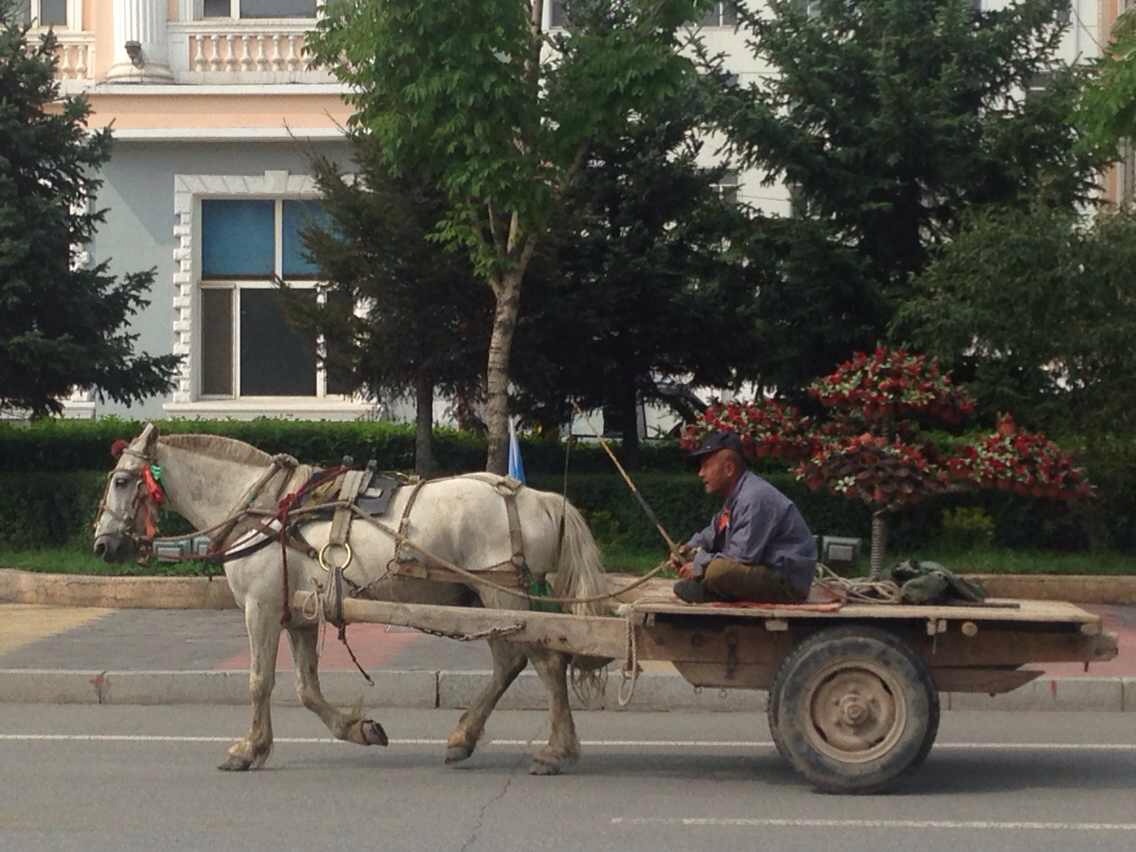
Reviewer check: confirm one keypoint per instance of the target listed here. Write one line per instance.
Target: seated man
(758, 548)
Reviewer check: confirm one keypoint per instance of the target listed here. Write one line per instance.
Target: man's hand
(686, 571)
(681, 555)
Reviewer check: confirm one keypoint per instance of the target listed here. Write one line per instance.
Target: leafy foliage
(63, 323)
(472, 98)
(889, 119)
(1044, 306)
(1107, 111)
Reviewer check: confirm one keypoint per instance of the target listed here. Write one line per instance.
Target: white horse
(206, 478)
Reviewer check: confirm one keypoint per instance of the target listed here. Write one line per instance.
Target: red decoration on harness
(152, 486)
(117, 447)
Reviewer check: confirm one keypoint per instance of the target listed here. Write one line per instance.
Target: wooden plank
(720, 676)
(656, 596)
(596, 636)
(990, 681)
(1009, 647)
(1033, 612)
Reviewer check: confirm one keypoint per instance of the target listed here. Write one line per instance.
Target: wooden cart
(853, 692)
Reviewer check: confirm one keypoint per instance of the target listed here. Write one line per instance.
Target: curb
(81, 590)
(452, 690)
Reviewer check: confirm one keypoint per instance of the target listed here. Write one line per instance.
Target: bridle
(148, 497)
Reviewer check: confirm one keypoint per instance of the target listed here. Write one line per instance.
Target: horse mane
(220, 448)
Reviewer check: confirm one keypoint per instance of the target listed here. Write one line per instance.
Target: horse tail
(579, 568)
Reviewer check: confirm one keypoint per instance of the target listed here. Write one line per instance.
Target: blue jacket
(758, 525)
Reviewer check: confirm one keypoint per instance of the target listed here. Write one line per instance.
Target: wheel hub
(856, 711)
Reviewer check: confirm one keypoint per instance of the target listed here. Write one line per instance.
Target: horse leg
(263, 626)
(508, 661)
(351, 727)
(563, 747)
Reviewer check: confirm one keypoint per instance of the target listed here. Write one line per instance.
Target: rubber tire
(772, 703)
(826, 773)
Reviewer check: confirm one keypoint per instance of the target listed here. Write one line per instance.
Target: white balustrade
(239, 52)
(76, 52)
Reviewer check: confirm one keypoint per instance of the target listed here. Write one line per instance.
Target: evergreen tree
(638, 286)
(403, 316)
(889, 120)
(62, 324)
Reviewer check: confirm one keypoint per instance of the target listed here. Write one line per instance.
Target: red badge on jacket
(724, 520)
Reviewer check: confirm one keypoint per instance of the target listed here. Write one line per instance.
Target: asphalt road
(143, 778)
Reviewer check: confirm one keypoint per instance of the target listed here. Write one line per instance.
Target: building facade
(215, 114)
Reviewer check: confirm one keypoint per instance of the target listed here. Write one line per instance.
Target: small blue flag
(516, 466)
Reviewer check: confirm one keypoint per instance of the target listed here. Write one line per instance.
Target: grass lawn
(630, 560)
(75, 560)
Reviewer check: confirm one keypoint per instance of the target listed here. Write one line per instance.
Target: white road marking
(876, 823)
(664, 744)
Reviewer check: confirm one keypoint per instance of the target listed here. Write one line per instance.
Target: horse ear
(147, 439)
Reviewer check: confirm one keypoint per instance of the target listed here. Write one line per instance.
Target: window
(728, 186)
(1039, 84)
(721, 15)
(259, 9)
(46, 13)
(248, 349)
(556, 13)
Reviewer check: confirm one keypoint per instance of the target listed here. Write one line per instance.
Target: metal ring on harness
(323, 556)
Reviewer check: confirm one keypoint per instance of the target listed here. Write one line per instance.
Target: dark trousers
(735, 581)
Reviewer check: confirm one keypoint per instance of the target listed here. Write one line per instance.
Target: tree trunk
(508, 291)
(879, 543)
(424, 424)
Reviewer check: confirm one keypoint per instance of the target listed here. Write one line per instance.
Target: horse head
(129, 504)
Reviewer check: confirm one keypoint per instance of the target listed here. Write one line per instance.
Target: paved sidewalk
(53, 638)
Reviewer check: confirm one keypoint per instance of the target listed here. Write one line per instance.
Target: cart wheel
(932, 731)
(772, 703)
(854, 709)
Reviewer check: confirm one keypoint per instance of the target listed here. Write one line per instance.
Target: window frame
(73, 16)
(729, 186)
(725, 15)
(234, 285)
(198, 13)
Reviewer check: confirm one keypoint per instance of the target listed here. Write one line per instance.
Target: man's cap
(717, 441)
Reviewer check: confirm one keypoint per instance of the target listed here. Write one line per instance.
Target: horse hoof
(456, 754)
(373, 733)
(544, 766)
(235, 764)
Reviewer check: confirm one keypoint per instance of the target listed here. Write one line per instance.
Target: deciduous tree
(475, 98)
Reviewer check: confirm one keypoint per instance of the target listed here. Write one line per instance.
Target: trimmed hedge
(63, 445)
(51, 477)
(56, 509)
(48, 509)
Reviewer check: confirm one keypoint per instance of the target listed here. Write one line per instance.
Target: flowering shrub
(885, 474)
(1026, 463)
(870, 448)
(767, 428)
(891, 384)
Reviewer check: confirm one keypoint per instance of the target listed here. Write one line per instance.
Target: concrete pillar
(143, 22)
